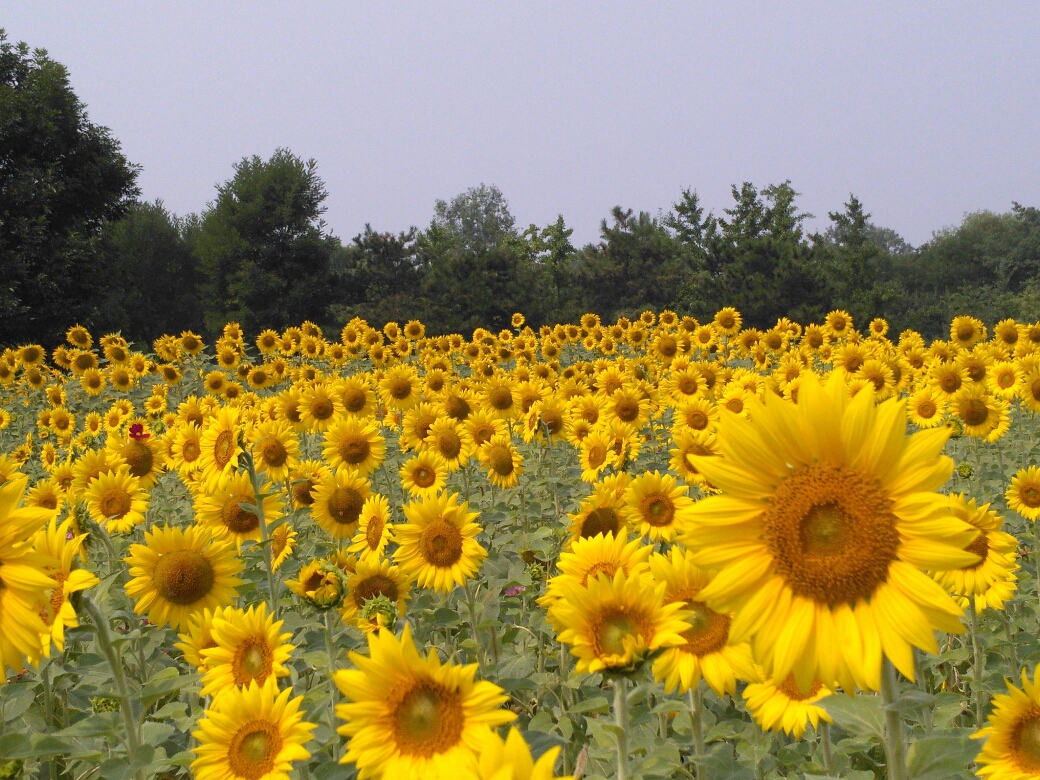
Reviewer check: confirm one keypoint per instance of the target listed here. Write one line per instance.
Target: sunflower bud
(322, 583)
(104, 704)
(965, 470)
(377, 613)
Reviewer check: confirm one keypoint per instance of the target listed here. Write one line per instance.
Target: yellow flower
(512, 759)
(984, 416)
(252, 733)
(141, 452)
(322, 583)
(374, 528)
(503, 462)
(117, 499)
(785, 707)
(657, 506)
(1023, 494)
(706, 651)
(338, 500)
(600, 513)
(180, 572)
(373, 577)
(413, 718)
(399, 388)
(275, 449)
(1012, 734)
(596, 455)
(826, 523)
(283, 542)
(438, 547)
(56, 544)
(449, 439)
(613, 624)
(219, 443)
(424, 474)
(416, 424)
(589, 557)
(198, 636)
(246, 647)
(926, 407)
(356, 444)
(220, 507)
(319, 407)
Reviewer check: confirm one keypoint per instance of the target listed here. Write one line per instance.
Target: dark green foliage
(263, 250)
(61, 179)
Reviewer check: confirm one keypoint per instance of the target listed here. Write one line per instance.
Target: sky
(925, 111)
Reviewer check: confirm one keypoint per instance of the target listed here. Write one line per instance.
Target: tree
(380, 277)
(152, 275)
(61, 179)
(477, 219)
(263, 249)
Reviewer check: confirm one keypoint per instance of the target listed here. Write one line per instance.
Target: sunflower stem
(330, 648)
(621, 722)
(265, 535)
(697, 720)
(471, 604)
(976, 652)
(895, 755)
(825, 744)
(104, 638)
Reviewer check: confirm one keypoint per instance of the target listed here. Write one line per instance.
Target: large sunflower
(1023, 494)
(219, 443)
(374, 577)
(247, 646)
(424, 474)
(1012, 734)
(399, 388)
(60, 548)
(275, 449)
(252, 733)
(338, 500)
(613, 624)
(827, 518)
(179, 572)
(451, 441)
(220, 507)
(600, 513)
(503, 462)
(412, 718)
(600, 554)
(438, 547)
(24, 579)
(706, 651)
(657, 506)
(355, 443)
(117, 499)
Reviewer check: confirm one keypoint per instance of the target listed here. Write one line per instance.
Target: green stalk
(265, 535)
(977, 658)
(473, 625)
(330, 648)
(895, 752)
(621, 722)
(133, 735)
(825, 743)
(697, 719)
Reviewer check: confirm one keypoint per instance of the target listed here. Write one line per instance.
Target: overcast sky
(924, 110)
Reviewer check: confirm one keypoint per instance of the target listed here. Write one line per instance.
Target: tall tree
(61, 178)
(263, 249)
(477, 219)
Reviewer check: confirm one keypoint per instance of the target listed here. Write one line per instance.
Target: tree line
(78, 245)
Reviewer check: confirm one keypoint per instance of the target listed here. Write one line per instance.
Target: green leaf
(935, 758)
(860, 715)
(15, 746)
(164, 683)
(595, 704)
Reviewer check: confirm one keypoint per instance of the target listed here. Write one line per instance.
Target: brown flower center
(253, 749)
(345, 504)
(183, 577)
(441, 544)
(427, 718)
(602, 520)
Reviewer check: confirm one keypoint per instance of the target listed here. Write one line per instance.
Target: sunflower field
(655, 548)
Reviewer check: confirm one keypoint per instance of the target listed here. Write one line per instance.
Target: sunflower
(320, 407)
(253, 733)
(399, 388)
(304, 480)
(247, 647)
(600, 513)
(374, 528)
(356, 444)
(1004, 379)
(656, 506)
(503, 462)
(449, 439)
(926, 407)
(46, 494)
(424, 474)
(613, 624)
(727, 321)
(501, 398)
(966, 331)
(589, 557)
(997, 551)
(1023, 494)
(706, 651)
(482, 426)
(411, 718)
(356, 395)
(415, 425)
(275, 449)
(596, 454)
(198, 637)
(437, 546)
(179, 572)
(374, 577)
(61, 548)
(283, 542)
(826, 520)
(219, 443)
(186, 448)
(220, 508)
(338, 500)
(321, 582)
(117, 499)
(1012, 733)
(141, 452)
(785, 707)
(984, 416)
(690, 446)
